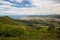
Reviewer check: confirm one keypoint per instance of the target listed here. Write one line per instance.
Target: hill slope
(10, 27)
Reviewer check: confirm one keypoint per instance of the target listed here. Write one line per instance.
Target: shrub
(11, 31)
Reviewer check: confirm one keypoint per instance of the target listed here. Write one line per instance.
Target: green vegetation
(11, 29)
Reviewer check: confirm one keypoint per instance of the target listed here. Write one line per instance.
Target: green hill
(11, 29)
(8, 20)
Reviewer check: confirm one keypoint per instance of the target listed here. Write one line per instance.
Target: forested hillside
(13, 29)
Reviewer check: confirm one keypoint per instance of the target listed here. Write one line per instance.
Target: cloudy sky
(29, 7)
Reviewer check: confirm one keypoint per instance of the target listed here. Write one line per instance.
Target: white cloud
(56, 8)
(16, 0)
(19, 0)
(40, 7)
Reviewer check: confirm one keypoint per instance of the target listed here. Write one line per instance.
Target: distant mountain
(33, 16)
(55, 15)
(21, 16)
(39, 17)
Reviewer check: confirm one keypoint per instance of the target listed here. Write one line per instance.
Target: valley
(30, 28)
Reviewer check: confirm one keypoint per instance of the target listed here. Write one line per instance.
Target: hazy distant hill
(55, 15)
(30, 17)
(20, 16)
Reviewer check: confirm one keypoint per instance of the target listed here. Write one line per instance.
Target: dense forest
(13, 29)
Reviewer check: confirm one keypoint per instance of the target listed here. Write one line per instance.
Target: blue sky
(20, 3)
(29, 7)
